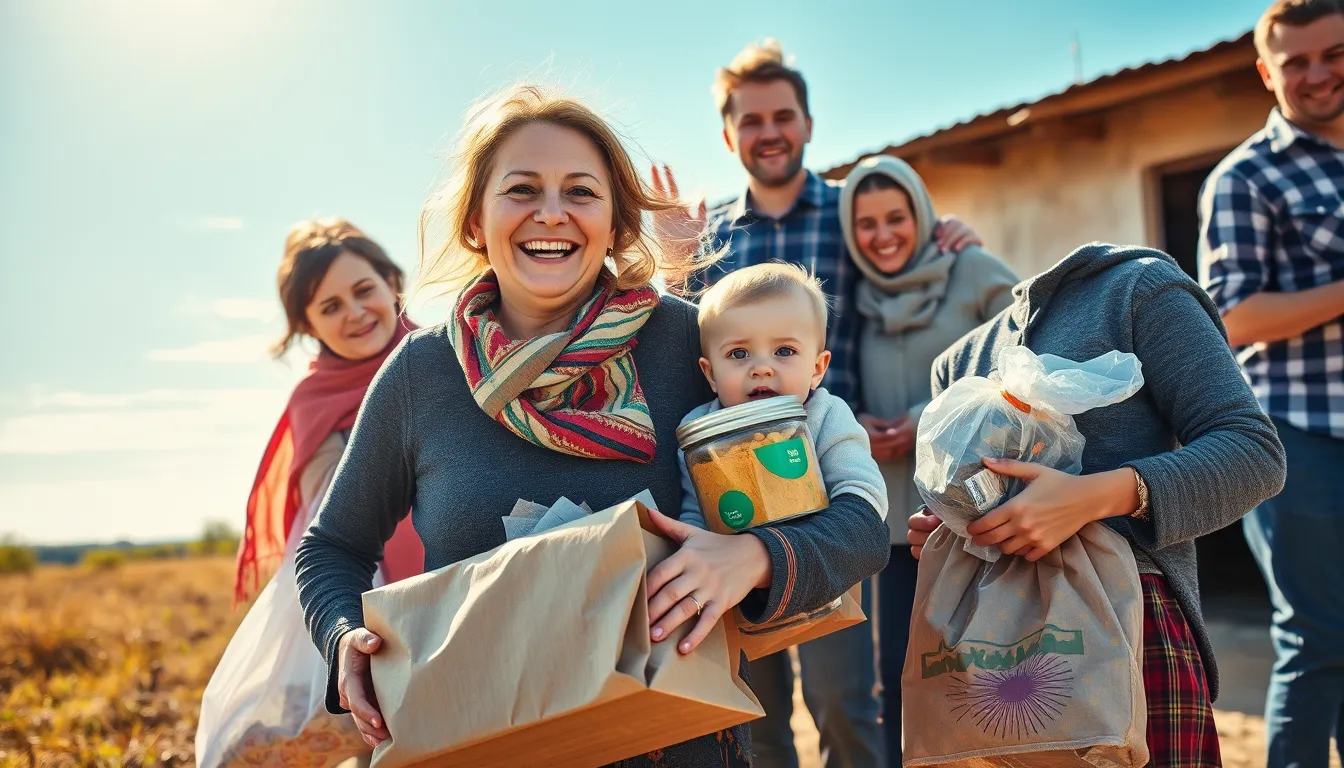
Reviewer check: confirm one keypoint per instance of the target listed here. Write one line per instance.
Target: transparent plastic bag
(265, 704)
(1023, 411)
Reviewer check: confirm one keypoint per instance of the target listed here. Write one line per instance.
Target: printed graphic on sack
(1012, 690)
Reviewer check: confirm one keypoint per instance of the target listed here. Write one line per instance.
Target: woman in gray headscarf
(914, 301)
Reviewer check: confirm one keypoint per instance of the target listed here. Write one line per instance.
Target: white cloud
(39, 400)
(213, 223)
(243, 350)
(142, 465)
(155, 421)
(154, 497)
(231, 308)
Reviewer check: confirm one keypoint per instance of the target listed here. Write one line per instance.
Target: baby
(763, 334)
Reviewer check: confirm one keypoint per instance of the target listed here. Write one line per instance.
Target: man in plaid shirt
(788, 213)
(1272, 258)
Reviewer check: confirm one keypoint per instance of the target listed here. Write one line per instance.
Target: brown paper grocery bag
(757, 640)
(538, 653)
(1026, 665)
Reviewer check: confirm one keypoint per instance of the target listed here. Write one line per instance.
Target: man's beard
(795, 164)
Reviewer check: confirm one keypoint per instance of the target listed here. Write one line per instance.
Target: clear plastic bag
(1023, 411)
(265, 704)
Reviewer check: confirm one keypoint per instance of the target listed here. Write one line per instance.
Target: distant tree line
(216, 539)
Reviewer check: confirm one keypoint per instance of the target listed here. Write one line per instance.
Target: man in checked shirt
(787, 213)
(1272, 258)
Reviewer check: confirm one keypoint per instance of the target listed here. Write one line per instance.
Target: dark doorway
(1180, 214)
(1228, 576)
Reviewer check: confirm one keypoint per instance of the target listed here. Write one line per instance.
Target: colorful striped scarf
(576, 391)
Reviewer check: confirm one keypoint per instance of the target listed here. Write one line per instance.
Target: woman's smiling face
(884, 228)
(546, 218)
(353, 310)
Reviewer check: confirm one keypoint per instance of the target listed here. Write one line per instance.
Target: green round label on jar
(736, 510)
(786, 459)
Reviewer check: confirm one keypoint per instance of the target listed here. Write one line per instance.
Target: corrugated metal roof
(1007, 118)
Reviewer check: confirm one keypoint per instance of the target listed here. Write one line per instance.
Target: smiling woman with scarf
(339, 288)
(914, 301)
(264, 700)
(561, 372)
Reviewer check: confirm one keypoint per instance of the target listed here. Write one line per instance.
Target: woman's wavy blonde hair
(457, 259)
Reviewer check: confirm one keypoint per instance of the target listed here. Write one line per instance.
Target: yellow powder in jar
(733, 465)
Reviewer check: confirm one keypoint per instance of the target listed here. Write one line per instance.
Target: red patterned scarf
(325, 401)
(576, 391)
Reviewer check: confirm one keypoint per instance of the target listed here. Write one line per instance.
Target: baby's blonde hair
(757, 283)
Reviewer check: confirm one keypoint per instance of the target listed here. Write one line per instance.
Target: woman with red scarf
(265, 698)
(340, 288)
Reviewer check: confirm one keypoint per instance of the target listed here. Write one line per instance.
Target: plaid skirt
(1181, 732)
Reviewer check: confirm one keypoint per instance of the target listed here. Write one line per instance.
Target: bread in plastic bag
(1024, 411)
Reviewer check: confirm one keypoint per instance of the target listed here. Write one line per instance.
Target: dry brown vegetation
(105, 667)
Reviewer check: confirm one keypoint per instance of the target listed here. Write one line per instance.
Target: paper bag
(758, 640)
(538, 652)
(1028, 665)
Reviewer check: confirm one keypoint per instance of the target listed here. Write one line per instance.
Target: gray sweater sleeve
(1231, 458)
(371, 492)
(817, 558)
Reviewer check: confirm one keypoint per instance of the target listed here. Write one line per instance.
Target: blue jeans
(895, 603)
(839, 674)
(1298, 539)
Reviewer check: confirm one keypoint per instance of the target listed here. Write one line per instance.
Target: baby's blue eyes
(741, 354)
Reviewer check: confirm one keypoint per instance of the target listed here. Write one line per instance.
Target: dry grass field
(105, 667)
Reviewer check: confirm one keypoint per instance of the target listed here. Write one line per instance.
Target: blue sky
(154, 152)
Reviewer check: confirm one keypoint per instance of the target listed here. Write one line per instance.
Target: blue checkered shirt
(808, 234)
(1272, 219)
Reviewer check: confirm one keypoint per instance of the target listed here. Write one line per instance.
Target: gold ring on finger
(698, 606)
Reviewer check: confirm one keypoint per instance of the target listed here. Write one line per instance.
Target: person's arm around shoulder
(1235, 255)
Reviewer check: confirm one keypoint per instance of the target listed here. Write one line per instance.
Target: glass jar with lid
(753, 463)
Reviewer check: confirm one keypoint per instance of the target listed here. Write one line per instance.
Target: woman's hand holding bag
(354, 682)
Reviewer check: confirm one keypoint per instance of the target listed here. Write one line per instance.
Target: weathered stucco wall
(1048, 196)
